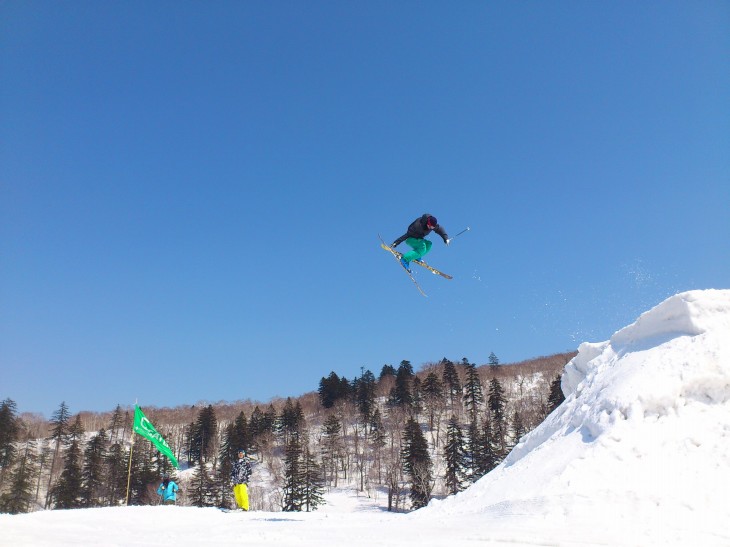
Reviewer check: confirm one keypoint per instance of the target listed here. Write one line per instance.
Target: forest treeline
(403, 434)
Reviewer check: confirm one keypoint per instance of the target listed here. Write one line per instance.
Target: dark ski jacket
(419, 229)
(241, 471)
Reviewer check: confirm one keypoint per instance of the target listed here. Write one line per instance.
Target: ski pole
(457, 235)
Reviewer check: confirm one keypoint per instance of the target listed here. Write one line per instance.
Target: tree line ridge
(408, 436)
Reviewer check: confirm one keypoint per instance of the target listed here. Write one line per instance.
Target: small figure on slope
(240, 474)
(168, 490)
(415, 238)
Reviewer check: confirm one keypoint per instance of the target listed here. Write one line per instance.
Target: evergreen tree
(270, 419)
(331, 447)
(59, 431)
(293, 475)
(387, 370)
(192, 449)
(93, 475)
(230, 445)
(377, 428)
(433, 394)
(487, 453)
(518, 428)
(116, 421)
(327, 391)
(497, 401)
(401, 394)
(407, 368)
(556, 396)
(204, 434)
(497, 414)
(473, 444)
(332, 389)
(67, 494)
(9, 431)
(313, 489)
(417, 464)
(221, 491)
(128, 421)
(292, 416)
(115, 463)
(243, 433)
(43, 451)
(145, 478)
(291, 419)
(493, 361)
(455, 457)
(451, 381)
(257, 424)
(364, 388)
(20, 497)
(238, 437)
(417, 396)
(473, 396)
(377, 439)
(262, 427)
(201, 488)
(76, 431)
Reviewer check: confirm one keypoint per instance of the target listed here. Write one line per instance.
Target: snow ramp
(639, 452)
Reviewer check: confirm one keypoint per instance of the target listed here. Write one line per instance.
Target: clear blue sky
(191, 192)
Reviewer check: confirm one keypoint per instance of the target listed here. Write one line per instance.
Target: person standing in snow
(168, 489)
(240, 474)
(415, 238)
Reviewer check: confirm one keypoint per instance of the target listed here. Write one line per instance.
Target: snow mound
(645, 429)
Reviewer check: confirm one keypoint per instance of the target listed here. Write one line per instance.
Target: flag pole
(129, 470)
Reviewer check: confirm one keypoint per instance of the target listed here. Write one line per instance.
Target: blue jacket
(168, 494)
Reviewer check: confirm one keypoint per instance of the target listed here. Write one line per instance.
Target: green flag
(145, 428)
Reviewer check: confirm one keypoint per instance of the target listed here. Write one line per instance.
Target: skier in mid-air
(415, 238)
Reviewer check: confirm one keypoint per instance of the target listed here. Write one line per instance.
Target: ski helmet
(431, 222)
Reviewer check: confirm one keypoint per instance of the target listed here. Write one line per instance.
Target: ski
(431, 268)
(397, 256)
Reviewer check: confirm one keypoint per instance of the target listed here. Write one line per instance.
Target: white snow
(638, 454)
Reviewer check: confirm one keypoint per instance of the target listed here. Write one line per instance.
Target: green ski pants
(420, 248)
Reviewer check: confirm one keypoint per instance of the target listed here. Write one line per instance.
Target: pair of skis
(421, 263)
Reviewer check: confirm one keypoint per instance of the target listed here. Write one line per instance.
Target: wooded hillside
(405, 435)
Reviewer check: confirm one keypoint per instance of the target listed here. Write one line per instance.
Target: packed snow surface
(638, 454)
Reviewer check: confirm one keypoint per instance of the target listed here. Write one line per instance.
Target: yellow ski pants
(240, 491)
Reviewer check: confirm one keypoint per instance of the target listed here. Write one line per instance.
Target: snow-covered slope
(641, 446)
(638, 454)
